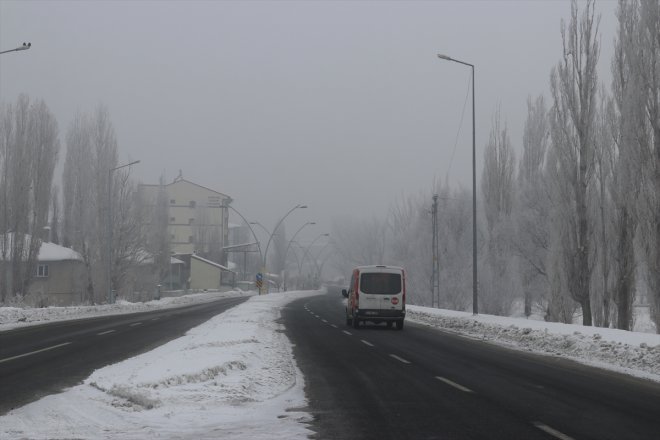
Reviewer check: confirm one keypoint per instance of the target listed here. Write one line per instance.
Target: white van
(376, 294)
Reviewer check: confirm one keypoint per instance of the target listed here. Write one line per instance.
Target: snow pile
(231, 377)
(629, 352)
(12, 317)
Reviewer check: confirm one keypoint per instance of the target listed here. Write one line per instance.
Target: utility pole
(435, 277)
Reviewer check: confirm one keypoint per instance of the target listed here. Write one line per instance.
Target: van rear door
(381, 290)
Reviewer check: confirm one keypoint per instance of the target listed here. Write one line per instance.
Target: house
(197, 218)
(143, 281)
(208, 275)
(59, 274)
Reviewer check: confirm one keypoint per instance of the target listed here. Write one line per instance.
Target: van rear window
(380, 283)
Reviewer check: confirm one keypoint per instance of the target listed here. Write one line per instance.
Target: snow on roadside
(632, 353)
(13, 317)
(233, 377)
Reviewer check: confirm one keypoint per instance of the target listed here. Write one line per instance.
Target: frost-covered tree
(91, 154)
(647, 73)
(78, 207)
(533, 241)
(498, 287)
(30, 145)
(574, 84)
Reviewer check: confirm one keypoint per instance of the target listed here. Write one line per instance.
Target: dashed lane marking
(553, 432)
(332, 325)
(367, 343)
(400, 359)
(136, 323)
(105, 332)
(348, 333)
(33, 352)
(454, 384)
(324, 321)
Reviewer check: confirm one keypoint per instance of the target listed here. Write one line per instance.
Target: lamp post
(109, 268)
(250, 227)
(25, 46)
(265, 259)
(475, 298)
(262, 227)
(312, 244)
(289, 245)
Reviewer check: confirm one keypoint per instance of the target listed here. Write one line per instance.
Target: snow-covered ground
(633, 353)
(234, 377)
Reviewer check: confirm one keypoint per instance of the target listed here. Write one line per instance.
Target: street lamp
(109, 269)
(312, 244)
(25, 46)
(289, 245)
(265, 259)
(475, 303)
(248, 225)
(262, 227)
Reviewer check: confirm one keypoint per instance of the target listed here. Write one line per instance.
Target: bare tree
(30, 146)
(79, 204)
(498, 195)
(574, 85)
(647, 71)
(533, 206)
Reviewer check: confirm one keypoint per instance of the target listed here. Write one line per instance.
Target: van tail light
(403, 280)
(395, 300)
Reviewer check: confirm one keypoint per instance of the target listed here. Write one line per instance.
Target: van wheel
(399, 325)
(389, 324)
(356, 322)
(349, 321)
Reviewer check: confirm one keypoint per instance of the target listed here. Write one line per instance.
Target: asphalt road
(423, 383)
(40, 360)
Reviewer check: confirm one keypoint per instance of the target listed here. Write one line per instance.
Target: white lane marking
(136, 323)
(105, 333)
(348, 333)
(400, 359)
(454, 384)
(155, 319)
(553, 432)
(367, 343)
(34, 352)
(332, 325)
(324, 321)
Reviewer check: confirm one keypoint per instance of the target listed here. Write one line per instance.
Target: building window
(42, 271)
(172, 202)
(172, 220)
(191, 239)
(191, 221)
(192, 204)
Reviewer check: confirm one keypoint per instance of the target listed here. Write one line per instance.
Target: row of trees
(96, 203)
(573, 225)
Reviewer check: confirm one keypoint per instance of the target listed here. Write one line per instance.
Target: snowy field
(234, 377)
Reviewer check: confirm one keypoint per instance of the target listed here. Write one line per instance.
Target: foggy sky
(343, 106)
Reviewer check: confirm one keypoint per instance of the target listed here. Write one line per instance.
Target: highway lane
(423, 383)
(44, 359)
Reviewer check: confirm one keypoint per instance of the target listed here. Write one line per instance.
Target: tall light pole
(475, 297)
(312, 244)
(261, 256)
(25, 46)
(109, 269)
(265, 260)
(286, 252)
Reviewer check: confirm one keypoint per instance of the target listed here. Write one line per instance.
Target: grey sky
(340, 105)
